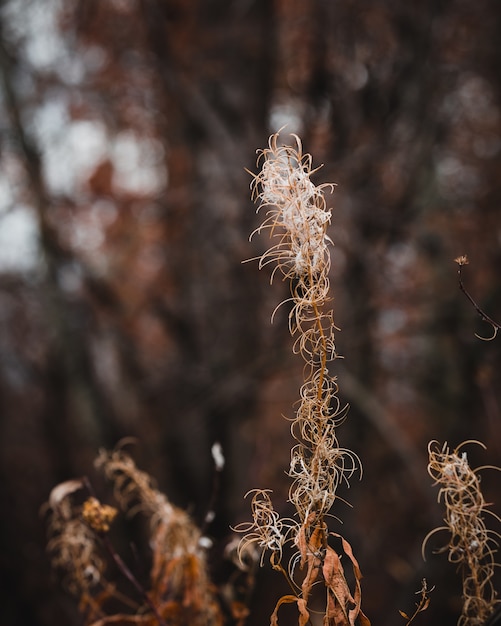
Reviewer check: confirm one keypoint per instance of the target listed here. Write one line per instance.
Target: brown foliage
(180, 591)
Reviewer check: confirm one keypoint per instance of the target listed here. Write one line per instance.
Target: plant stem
(482, 313)
(122, 566)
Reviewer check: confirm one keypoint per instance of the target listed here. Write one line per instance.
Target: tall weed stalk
(297, 218)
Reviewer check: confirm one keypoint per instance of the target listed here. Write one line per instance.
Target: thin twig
(122, 566)
(462, 261)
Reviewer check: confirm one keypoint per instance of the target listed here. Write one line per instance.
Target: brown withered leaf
(348, 606)
(312, 573)
(306, 544)
(304, 615)
(340, 596)
(310, 549)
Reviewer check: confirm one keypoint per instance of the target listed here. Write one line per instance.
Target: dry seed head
(179, 571)
(297, 219)
(172, 529)
(472, 545)
(267, 530)
(98, 516)
(132, 488)
(296, 210)
(462, 260)
(73, 550)
(72, 543)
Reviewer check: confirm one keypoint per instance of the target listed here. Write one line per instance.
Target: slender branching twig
(421, 605)
(462, 261)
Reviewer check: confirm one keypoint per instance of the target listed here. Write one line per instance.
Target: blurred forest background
(125, 309)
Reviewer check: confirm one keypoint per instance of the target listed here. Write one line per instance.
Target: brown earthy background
(125, 310)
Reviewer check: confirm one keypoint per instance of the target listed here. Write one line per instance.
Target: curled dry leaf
(304, 615)
(63, 490)
(347, 605)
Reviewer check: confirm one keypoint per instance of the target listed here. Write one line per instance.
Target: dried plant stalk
(75, 550)
(297, 218)
(180, 584)
(180, 590)
(471, 546)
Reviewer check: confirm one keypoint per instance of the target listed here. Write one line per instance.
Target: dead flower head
(98, 516)
(72, 542)
(471, 546)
